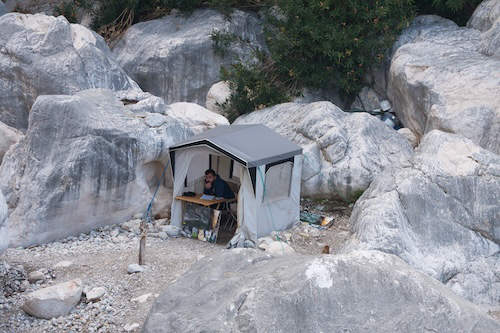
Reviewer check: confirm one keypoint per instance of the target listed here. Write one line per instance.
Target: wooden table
(207, 203)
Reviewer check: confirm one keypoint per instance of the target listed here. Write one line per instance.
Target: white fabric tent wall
(256, 216)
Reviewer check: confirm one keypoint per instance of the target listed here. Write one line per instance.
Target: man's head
(210, 175)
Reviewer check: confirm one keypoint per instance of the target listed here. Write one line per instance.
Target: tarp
(251, 145)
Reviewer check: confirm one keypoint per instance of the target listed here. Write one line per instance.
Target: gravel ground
(100, 259)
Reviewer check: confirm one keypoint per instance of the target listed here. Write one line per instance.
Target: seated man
(214, 185)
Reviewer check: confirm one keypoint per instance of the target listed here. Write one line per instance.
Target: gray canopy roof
(251, 145)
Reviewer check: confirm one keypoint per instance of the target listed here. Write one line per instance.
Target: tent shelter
(262, 166)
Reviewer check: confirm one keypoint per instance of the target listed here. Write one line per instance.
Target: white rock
(47, 55)
(131, 327)
(104, 160)
(409, 135)
(278, 248)
(367, 100)
(196, 117)
(142, 298)
(439, 213)
(264, 242)
(155, 120)
(36, 276)
(485, 15)
(8, 137)
(54, 301)
(135, 268)
(439, 79)
(218, 94)
(95, 294)
(4, 228)
(171, 230)
(173, 57)
(63, 264)
(343, 152)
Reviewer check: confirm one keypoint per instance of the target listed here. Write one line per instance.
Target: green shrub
(457, 10)
(318, 44)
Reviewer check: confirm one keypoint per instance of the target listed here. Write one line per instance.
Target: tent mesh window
(278, 181)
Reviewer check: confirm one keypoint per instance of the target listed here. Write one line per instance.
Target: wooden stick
(142, 243)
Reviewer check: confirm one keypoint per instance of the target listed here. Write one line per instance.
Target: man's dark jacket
(220, 189)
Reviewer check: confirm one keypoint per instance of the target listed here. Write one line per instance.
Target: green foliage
(457, 10)
(318, 44)
(222, 41)
(253, 86)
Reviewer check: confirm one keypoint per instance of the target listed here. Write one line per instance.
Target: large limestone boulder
(43, 55)
(365, 291)
(8, 137)
(440, 213)
(54, 301)
(174, 57)
(87, 160)
(4, 231)
(439, 79)
(343, 152)
(485, 15)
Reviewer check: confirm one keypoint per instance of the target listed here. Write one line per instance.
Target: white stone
(87, 153)
(142, 298)
(173, 57)
(361, 291)
(446, 77)
(155, 120)
(342, 151)
(47, 55)
(135, 268)
(439, 213)
(63, 264)
(8, 137)
(95, 294)
(54, 301)
(36, 276)
(278, 248)
(131, 327)
(409, 135)
(171, 230)
(4, 228)
(485, 15)
(217, 95)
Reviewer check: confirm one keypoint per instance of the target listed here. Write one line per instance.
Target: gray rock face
(439, 213)
(343, 151)
(8, 137)
(485, 15)
(3, 10)
(4, 231)
(44, 55)
(87, 161)
(53, 301)
(439, 79)
(173, 57)
(367, 291)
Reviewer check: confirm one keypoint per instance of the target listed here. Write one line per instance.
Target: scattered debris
(131, 327)
(142, 298)
(95, 294)
(63, 264)
(36, 276)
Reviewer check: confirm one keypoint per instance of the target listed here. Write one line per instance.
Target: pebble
(36, 276)
(131, 327)
(135, 268)
(63, 264)
(142, 298)
(95, 294)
